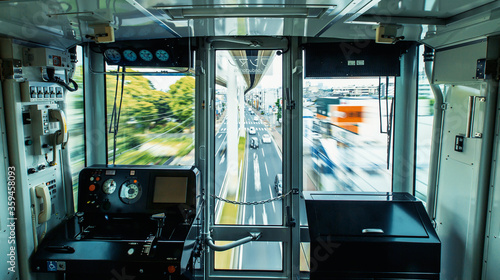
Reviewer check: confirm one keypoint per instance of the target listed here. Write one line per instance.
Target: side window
(150, 118)
(348, 139)
(347, 142)
(75, 115)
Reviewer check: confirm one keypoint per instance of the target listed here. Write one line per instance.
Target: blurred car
(254, 142)
(256, 118)
(278, 184)
(251, 130)
(266, 138)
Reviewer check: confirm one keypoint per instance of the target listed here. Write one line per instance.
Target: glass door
(248, 175)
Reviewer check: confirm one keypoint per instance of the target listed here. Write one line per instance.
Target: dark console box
(133, 222)
(371, 236)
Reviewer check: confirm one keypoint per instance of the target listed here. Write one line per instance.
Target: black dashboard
(137, 220)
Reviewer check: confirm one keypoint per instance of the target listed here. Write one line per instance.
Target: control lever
(150, 244)
(160, 220)
(79, 215)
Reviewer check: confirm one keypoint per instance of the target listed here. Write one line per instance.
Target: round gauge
(109, 186)
(146, 55)
(162, 55)
(130, 192)
(112, 55)
(130, 55)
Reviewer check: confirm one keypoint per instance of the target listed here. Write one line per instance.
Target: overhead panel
(153, 53)
(348, 59)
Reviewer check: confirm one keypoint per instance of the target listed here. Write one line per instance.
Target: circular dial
(130, 55)
(109, 186)
(146, 55)
(112, 55)
(130, 192)
(162, 55)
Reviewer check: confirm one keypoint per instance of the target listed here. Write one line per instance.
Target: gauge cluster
(136, 189)
(151, 53)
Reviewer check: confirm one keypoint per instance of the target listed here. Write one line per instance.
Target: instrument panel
(137, 217)
(159, 53)
(136, 189)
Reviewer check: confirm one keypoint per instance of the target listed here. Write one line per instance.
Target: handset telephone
(42, 191)
(61, 136)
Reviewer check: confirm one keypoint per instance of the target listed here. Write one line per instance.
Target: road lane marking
(276, 148)
(263, 153)
(222, 142)
(265, 165)
(240, 260)
(254, 217)
(271, 196)
(218, 208)
(264, 214)
(256, 171)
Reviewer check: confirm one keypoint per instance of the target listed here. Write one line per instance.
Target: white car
(266, 138)
(256, 118)
(251, 130)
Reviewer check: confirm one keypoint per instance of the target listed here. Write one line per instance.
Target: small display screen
(170, 190)
(110, 172)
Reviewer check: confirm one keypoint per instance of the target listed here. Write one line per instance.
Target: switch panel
(41, 91)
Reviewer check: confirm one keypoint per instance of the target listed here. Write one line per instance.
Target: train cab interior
(249, 139)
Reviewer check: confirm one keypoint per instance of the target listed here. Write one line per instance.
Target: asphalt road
(262, 165)
(260, 168)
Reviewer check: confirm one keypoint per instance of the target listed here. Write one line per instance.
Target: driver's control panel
(134, 189)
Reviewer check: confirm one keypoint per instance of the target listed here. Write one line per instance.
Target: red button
(171, 269)
(92, 188)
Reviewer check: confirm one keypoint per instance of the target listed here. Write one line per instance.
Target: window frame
(205, 90)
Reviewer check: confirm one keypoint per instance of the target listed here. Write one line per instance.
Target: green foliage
(132, 141)
(241, 150)
(147, 112)
(181, 98)
(170, 127)
(278, 105)
(431, 106)
(75, 99)
(142, 104)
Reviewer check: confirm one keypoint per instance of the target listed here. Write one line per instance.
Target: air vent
(228, 11)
